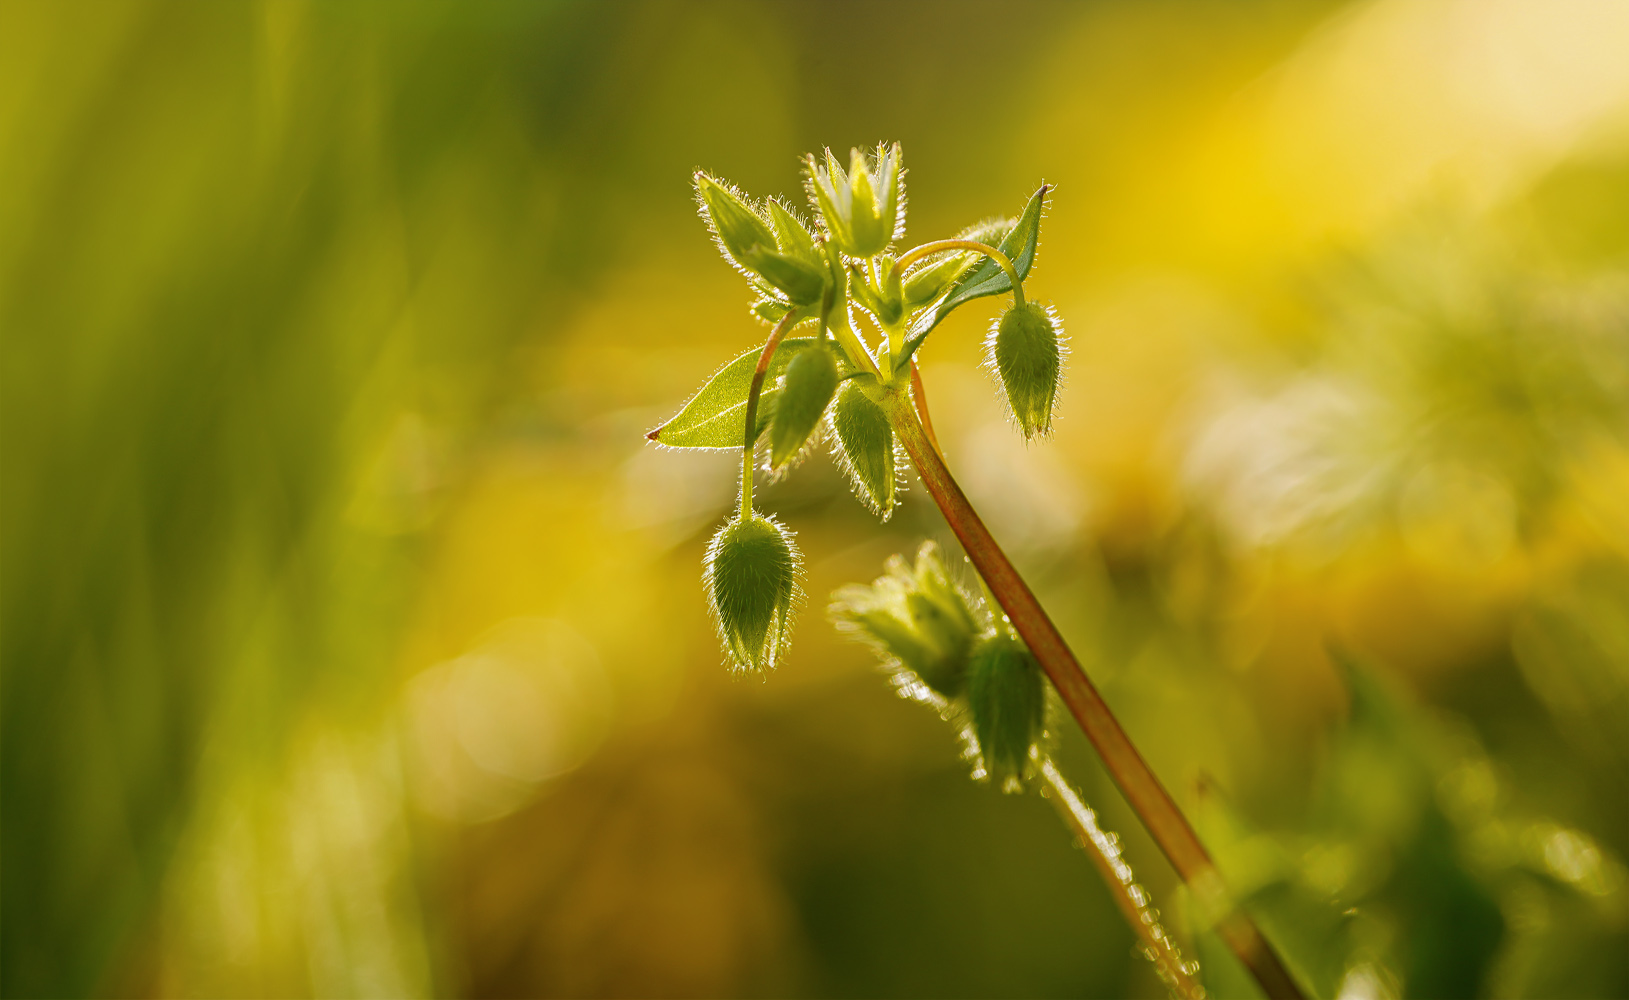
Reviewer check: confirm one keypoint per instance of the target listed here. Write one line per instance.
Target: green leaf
(865, 449)
(716, 416)
(988, 278)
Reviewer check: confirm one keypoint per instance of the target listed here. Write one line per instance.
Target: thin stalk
(749, 439)
(941, 246)
(1104, 849)
(1137, 782)
(919, 397)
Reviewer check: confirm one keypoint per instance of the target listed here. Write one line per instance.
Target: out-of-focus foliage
(352, 641)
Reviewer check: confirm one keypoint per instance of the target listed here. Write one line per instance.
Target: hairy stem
(1137, 782)
(919, 396)
(748, 437)
(1104, 849)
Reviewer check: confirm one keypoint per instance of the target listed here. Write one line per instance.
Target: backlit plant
(980, 664)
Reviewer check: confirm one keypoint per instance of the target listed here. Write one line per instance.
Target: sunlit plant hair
(865, 310)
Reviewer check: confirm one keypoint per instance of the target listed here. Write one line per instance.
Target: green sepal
(737, 225)
(806, 391)
(801, 281)
(987, 278)
(750, 576)
(715, 417)
(830, 194)
(1007, 699)
(865, 446)
(1025, 351)
(791, 235)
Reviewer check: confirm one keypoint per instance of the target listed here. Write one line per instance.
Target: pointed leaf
(715, 416)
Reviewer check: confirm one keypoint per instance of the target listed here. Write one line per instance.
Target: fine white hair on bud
(810, 382)
(921, 623)
(1025, 349)
(751, 574)
(1007, 699)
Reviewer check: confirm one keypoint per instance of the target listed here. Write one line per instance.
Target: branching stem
(941, 246)
(1137, 782)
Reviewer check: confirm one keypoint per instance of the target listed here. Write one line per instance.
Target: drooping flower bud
(751, 578)
(1026, 351)
(864, 209)
(865, 447)
(1007, 699)
(810, 383)
(916, 618)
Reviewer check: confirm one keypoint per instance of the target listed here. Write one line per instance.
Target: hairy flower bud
(803, 283)
(1025, 350)
(810, 383)
(751, 578)
(863, 208)
(737, 225)
(1007, 699)
(928, 281)
(791, 235)
(916, 617)
(865, 447)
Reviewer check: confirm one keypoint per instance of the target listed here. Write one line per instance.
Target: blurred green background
(352, 637)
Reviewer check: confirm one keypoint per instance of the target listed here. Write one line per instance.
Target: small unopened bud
(865, 449)
(928, 282)
(737, 225)
(751, 578)
(863, 208)
(1007, 699)
(1025, 350)
(811, 381)
(791, 235)
(801, 281)
(916, 617)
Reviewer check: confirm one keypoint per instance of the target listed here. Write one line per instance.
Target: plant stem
(750, 439)
(941, 246)
(1132, 899)
(919, 396)
(1137, 782)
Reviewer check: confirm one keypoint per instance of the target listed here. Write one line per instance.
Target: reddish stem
(1137, 782)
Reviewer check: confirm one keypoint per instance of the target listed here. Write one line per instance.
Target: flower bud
(915, 617)
(864, 208)
(865, 449)
(1025, 350)
(811, 381)
(802, 282)
(737, 225)
(931, 280)
(791, 235)
(1007, 699)
(751, 578)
